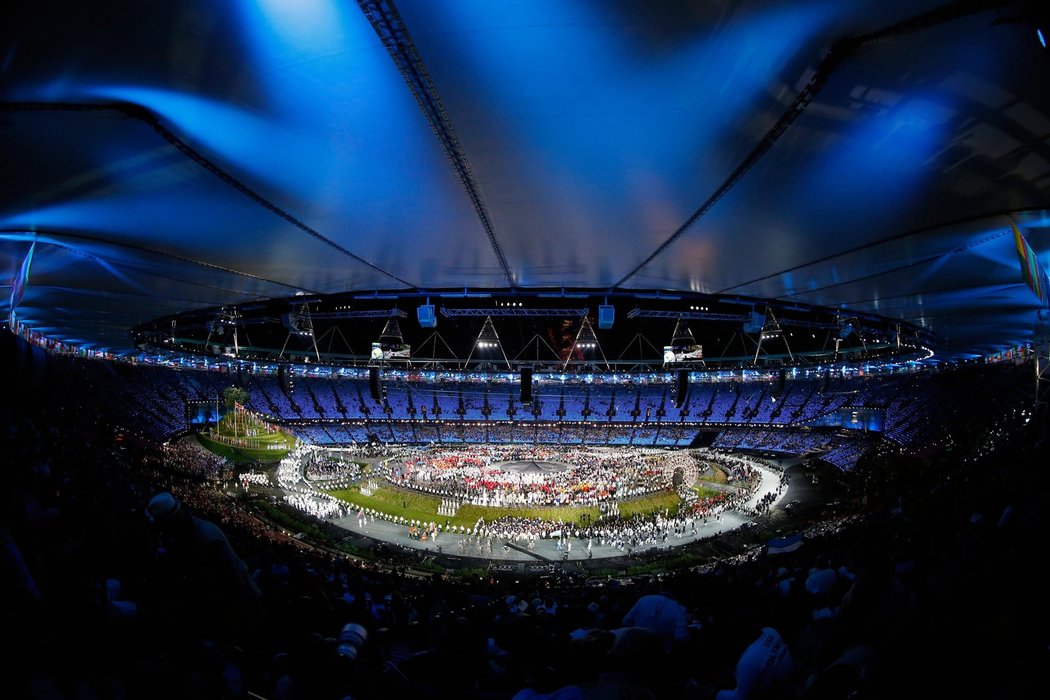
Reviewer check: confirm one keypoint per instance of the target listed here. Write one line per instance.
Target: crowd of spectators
(158, 394)
(185, 454)
(931, 586)
(791, 442)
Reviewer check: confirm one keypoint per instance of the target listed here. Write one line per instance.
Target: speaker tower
(373, 384)
(526, 385)
(681, 387)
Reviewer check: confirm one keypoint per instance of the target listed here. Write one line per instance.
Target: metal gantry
(513, 312)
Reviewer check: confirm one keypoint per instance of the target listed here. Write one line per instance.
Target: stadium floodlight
(227, 317)
(771, 330)
(487, 340)
(586, 340)
(300, 323)
(844, 326)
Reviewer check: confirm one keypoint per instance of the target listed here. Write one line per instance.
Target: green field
(420, 506)
(264, 447)
(719, 476)
(644, 505)
(703, 492)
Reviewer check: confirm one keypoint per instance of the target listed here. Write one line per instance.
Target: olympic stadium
(525, 350)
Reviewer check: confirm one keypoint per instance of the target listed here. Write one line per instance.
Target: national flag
(783, 545)
(21, 281)
(1032, 272)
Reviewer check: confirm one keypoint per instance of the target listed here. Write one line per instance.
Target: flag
(21, 281)
(783, 545)
(1032, 272)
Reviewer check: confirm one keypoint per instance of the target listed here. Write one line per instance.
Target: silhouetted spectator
(662, 615)
(201, 586)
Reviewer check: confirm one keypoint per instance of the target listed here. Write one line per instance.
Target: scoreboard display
(866, 418)
(202, 412)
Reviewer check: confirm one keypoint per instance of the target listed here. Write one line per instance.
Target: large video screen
(683, 353)
(203, 412)
(865, 418)
(391, 351)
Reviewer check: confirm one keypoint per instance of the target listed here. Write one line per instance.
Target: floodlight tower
(487, 342)
(586, 340)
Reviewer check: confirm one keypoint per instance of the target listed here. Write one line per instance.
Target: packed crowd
(185, 454)
(929, 588)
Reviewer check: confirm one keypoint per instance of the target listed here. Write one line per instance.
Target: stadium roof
(197, 153)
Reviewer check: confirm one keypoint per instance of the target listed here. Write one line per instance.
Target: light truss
(514, 311)
(488, 342)
(370, 313)
(585, 340)
(684, 315)
(771, 330)
(227, 317)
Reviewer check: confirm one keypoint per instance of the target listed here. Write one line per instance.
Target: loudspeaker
(681, 387)
(284, 379)
(755, 322)
(373, 384)
(606, 316)
(526, 385)
(427, 316)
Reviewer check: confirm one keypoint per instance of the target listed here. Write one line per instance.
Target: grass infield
(263, 447)
(422, 506)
